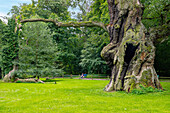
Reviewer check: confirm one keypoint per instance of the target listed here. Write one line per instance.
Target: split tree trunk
(131, 52)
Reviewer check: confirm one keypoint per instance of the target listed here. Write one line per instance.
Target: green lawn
(78, 96)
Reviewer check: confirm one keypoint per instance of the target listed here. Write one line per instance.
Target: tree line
(43, 49)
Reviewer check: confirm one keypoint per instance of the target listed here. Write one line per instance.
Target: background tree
(48, 9)
(91, 60)
(2, 26)
(9, 46)
(162, 59)
(45, 8)
(156, 18)
(70, 47)
(37, 55)
(94, 38)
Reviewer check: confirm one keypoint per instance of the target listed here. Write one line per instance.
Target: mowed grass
(78, 96)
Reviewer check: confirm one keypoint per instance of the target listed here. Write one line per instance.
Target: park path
(91, 79)
(168, 80)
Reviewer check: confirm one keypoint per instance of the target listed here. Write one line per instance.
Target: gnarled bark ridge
(131, 52)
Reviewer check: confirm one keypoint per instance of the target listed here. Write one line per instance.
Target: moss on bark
(130, 52)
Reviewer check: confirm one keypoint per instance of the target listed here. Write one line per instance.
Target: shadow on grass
(51, 80)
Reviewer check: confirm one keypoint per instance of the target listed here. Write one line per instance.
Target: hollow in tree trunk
(131, 52)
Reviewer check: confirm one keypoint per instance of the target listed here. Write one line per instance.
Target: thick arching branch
(38, 20)
(69, 24)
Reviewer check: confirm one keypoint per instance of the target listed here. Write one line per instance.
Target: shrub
(144, 90)
(18, 81)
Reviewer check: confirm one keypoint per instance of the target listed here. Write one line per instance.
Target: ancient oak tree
(130, 53)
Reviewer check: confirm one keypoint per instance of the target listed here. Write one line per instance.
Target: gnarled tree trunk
(131, 52)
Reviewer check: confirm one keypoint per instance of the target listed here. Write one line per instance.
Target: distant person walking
(82, 75)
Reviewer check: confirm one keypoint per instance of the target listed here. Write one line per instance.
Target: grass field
(78, 96)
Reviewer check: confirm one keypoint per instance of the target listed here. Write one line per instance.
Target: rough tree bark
(131, 52)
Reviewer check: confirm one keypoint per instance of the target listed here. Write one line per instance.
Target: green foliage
(83, 45)
(83, 6)
(15, 10)
(37, 55)
(99, 12)
(57, 10)
(162, 58)
(156, 19)
(2, 26)
(156, 12)
(47, 7)
(91, 60)
(9, 46)
(70, 41)
(26, 11)
(42, 8)
(94, 39)
(18, 81)
(68, 47)
(144, 90)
